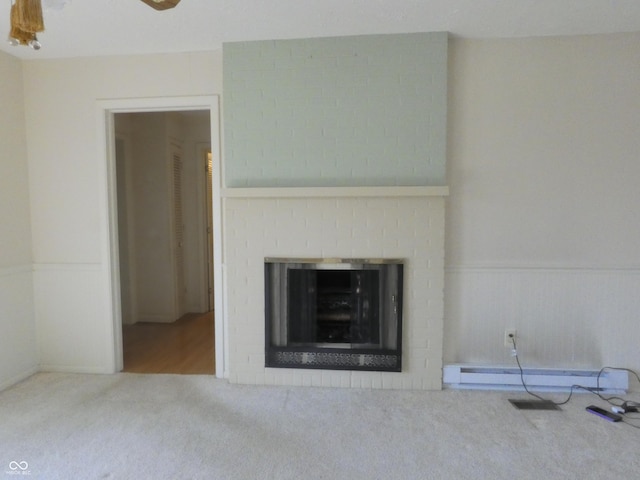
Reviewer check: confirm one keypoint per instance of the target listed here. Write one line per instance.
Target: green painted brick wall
(342, 111)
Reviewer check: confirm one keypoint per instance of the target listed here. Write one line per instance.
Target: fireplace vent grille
(335, 360)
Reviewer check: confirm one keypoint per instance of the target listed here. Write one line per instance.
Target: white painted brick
(306, 227)
(257, 360)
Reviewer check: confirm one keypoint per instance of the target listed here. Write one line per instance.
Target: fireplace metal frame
(360, 357)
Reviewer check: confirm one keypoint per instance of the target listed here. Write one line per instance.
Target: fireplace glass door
(334, 307)
(344, 315)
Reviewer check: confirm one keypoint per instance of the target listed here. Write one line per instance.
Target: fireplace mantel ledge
(334, 192)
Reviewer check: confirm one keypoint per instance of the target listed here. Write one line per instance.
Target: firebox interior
(344, 315)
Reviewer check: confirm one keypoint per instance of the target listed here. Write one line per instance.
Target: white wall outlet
(509, 333)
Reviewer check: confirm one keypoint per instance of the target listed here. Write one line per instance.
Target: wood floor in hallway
(185, 346)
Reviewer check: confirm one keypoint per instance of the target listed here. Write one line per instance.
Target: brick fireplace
(335, 148)
(398, 222)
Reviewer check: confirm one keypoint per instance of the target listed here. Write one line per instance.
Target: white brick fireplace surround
(341, 222)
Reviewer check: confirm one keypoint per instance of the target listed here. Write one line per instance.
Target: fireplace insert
(339, 314)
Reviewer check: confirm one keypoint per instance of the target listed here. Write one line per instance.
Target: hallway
(185, 346)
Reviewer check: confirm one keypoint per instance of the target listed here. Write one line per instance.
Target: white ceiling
(114, 27)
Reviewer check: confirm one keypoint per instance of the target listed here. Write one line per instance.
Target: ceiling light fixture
(26, 21)
(161, 4)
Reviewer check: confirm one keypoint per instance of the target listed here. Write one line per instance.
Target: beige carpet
(130, 426)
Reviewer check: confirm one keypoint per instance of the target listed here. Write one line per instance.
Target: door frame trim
(108, 212)
(201, 149)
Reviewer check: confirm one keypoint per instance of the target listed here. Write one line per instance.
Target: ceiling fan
(161, 4)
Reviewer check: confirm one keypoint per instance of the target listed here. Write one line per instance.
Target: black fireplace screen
(338, 314)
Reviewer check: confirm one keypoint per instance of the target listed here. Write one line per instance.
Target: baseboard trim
(74, 369)
(18, 378)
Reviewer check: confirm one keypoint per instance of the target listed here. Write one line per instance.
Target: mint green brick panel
(345, 111)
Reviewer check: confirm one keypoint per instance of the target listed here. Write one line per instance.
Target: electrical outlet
(509, 333)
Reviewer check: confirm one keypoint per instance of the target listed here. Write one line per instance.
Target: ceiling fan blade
(161, 4)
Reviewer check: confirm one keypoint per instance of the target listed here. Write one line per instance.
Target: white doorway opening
(107, 140)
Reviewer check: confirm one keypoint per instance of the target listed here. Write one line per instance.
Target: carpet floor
(134, 426)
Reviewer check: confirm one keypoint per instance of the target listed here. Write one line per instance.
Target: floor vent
(534, 404)
(536, 379)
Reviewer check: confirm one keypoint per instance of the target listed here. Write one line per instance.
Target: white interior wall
(542, 229)
(18, 354)
(197, 136)
(65, 164)
(126, 221)
(151, 206)
(542, 134)
(192, 131)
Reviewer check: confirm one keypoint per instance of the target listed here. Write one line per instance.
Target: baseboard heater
(536, 379)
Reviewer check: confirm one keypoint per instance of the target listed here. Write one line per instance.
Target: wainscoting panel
(18, 353)
(70, 311)
(564, 317)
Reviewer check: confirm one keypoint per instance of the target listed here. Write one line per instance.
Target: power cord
(515, 355)
(626, 406)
